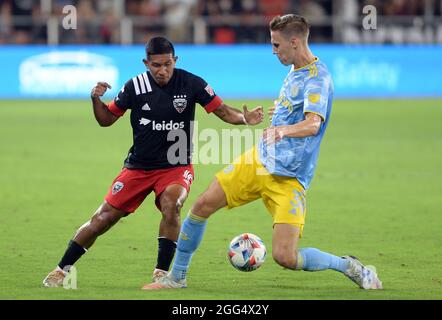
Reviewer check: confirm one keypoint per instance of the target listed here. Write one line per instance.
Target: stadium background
(377, 190)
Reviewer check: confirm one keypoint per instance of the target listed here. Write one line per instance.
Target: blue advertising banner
(239, 71)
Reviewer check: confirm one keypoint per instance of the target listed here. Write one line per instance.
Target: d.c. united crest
(117, 187)
(180, 102)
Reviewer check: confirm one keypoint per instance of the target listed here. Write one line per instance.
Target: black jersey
(161, 117)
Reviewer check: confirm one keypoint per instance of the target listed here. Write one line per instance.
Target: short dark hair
(159, 45)
(290, 24)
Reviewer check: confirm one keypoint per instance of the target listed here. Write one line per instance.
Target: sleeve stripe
(213, 105)
(143, 87)
(146, 81)
(137, 88)
(114, 109)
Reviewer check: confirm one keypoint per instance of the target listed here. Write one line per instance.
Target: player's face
(161, 67)
(282, 48)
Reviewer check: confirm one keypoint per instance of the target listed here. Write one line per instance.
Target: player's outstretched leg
(190, 237)
(103, 219)
(191, 234)
(170, 203)
(286, 254)
(315, 260)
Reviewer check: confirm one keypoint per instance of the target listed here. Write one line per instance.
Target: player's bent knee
(171, 212)
(198, 205)
(284, 259)
(203, 207)
(105, 217)
(100, 222)
(170, 204)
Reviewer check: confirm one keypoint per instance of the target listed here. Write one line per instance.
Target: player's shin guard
(73, 252)
(312, 259)
(191, 233)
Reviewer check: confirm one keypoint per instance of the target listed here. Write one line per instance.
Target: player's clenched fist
(100, 89)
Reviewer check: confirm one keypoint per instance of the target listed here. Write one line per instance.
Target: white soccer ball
(247, 252)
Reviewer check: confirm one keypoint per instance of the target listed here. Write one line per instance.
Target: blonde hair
(290, 24)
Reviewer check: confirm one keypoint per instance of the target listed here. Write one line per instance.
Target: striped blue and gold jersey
(306, 89)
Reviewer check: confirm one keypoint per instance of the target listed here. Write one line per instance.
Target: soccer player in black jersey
(162, 101)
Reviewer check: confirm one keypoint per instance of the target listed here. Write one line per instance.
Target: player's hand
(254, 116)
(100, 89)
(273, 134)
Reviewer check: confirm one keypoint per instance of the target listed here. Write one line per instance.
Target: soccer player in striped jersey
(162, 103)
(279, 170)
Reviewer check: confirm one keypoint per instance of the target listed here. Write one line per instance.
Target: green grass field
(377, 194)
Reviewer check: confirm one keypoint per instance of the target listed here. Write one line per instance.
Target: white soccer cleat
(165, 283)
(54, 278)
(364, 276)
(158, 274)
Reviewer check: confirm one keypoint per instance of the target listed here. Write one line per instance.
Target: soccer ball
(247, 252)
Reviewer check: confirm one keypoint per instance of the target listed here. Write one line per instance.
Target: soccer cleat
(364, 276)
(54, 278)
(165, 283)
(158, 274)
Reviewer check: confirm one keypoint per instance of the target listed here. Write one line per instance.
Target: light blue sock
(312, 259)
(191, 233)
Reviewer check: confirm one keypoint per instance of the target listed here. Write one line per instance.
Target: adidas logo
(145, 107)
(144, 121)
(162, 126)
